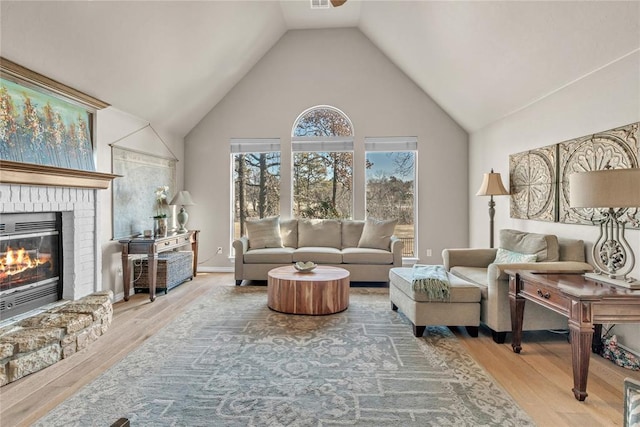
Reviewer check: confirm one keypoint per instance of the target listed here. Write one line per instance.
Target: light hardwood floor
(539, 379)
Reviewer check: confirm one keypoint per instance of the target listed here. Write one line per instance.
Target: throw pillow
(545, 246)
(376, 234)
(505, 256)
(323, 233)
(264, 233)
(351, 233)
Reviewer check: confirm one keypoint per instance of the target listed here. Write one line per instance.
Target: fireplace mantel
(33, 174)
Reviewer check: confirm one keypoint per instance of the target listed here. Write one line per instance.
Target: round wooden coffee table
(324, 290)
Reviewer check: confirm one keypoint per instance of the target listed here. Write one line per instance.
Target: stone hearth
(39, 341)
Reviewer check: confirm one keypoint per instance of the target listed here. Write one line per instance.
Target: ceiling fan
(324, 4)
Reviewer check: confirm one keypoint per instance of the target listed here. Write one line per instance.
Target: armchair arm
(498, 318)
(397, 246)
(240, 247)
(468, 257)
(496, 271)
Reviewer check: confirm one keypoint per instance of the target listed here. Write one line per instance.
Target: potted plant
(160, 218)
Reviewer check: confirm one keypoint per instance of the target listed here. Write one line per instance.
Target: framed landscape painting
(40, 125)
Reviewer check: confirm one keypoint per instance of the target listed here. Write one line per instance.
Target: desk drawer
(174, 242)
(546, 296)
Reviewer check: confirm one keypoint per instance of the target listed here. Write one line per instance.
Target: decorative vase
(160, 227)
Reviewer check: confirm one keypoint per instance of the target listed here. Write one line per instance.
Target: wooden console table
(585, 302)
(152, 247)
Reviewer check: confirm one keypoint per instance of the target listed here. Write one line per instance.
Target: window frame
(397, 144)
(249, 146)
(322, 144)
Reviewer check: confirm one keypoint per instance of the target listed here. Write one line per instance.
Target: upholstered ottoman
(463, 309)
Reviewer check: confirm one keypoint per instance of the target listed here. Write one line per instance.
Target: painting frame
(44, 122)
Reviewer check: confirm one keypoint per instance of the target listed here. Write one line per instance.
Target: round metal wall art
(616, 148)
(532, 184)
(539, 178)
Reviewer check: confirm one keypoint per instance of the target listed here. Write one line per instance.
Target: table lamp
(615, 190)
(183, 198)
(491, 186)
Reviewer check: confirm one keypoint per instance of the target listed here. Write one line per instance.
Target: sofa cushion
(264, 233)
(505, 256)
(320, 255)
(366, 256)
(477, 275)
(269, 256)
(571, 249)
(459, 291)
(351, 232)
(545, 246)
(319, 233)
(289, 232)
(376, 234)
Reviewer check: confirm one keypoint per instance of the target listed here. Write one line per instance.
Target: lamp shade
(608, 188)
(182, 198)
(492, 185)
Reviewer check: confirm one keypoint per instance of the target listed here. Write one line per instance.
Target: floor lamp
(615, 190)
(492, 186)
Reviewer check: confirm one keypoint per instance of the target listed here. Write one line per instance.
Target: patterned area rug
(230, 361)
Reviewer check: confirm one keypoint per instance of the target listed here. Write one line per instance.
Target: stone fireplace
(36, 339)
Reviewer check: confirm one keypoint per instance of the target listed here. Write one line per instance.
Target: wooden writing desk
(152, 247)
(585, 302)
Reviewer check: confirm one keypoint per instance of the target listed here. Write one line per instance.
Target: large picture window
(391, 185)
(322, 145)
(256, 180)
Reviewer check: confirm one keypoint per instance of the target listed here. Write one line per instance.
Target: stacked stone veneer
(36, 342)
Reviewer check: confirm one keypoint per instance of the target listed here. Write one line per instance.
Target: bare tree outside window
(322, 181)
(256, 188)
(391, 192)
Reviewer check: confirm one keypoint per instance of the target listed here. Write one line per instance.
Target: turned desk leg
(194, 249)
(126, 272)
(152, 270)
(516, 304)
(581, 339)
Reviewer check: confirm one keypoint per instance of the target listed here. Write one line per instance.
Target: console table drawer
(547, 296)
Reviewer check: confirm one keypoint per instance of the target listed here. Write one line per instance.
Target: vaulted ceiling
(170, 62)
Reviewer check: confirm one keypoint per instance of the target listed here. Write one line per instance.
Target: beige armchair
(477, 266)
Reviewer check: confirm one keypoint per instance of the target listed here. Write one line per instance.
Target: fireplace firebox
(30, 261)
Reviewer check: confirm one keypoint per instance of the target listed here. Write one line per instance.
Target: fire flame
(18, 260)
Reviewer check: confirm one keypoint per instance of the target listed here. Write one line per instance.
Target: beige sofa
(478, 266)
(367, 249)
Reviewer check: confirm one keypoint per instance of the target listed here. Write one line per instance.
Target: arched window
(322, 121)
(322, 145)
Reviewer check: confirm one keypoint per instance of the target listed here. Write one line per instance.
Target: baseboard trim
(215, 270)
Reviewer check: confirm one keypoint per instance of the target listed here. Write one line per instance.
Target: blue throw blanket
(431, 280)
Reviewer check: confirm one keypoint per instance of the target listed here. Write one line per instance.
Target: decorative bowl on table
(304, 267)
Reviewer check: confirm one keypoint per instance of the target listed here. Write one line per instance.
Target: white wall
(126, 131)
(342, 68)
(605, 99)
